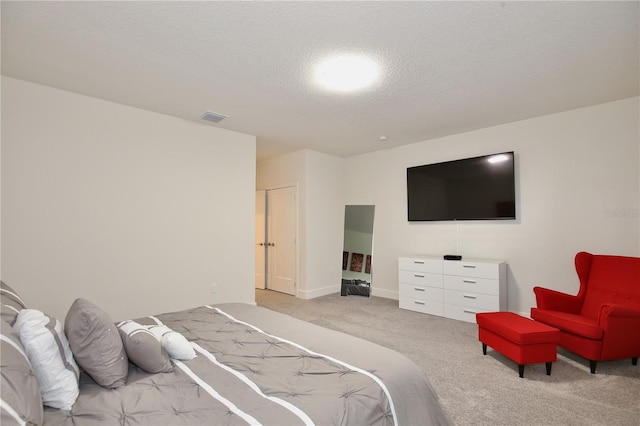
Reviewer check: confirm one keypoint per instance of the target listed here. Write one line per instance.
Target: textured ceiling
(448, 67)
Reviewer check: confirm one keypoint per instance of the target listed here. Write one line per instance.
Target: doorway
(276, 245)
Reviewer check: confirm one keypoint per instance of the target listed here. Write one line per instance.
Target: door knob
(271, 244)
(261, 244)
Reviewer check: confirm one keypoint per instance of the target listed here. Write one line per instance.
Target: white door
(261, 247)
(281, 240)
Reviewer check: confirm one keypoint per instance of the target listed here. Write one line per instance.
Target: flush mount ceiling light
(498, 158)
(346, 73)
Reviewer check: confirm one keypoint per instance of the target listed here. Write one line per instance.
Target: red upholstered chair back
(608, 279)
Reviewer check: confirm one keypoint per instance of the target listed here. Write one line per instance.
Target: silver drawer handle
(418, 276)
(468, 266)
(419, 289)
(469, 311)
(468, 296)
(469, 281)
(418, 302)
(419, 262)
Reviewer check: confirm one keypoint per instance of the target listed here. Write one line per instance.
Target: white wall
(0, 183)
(319, 178)
(324, 215)
(576, 171)
(136, 211)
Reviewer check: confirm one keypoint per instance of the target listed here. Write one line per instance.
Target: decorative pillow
(96, 344)
(143, 349)
(21, 401)
(10, 302)
(50, 356)
(176, 345)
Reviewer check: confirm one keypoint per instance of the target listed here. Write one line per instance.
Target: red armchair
(602, 322)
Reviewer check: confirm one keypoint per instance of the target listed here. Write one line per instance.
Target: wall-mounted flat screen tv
(479, 188)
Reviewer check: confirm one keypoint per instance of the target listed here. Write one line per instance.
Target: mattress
(256, 366)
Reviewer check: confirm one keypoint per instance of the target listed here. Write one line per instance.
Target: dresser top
(464, 259)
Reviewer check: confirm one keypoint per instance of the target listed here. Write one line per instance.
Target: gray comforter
(256, 366)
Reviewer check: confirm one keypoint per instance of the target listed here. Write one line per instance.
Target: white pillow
(51, 359)
(176, 345)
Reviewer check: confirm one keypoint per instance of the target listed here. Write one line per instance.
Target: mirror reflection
(357, 250)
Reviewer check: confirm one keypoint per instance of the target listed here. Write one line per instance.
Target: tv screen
(478, 188)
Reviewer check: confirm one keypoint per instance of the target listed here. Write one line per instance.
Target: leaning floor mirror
(357, 265)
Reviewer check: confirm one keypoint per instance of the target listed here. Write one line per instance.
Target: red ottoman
(520, 339)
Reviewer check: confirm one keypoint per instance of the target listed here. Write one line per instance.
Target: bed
(251, 366)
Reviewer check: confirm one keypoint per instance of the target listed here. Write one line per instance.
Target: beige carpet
(477, 389)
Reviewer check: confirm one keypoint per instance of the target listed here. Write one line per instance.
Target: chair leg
(592, 364)
(521, 370)
(549, 368)
(484, 349)
(634, 360)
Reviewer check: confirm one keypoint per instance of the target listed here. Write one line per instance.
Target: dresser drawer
(421, 278)
(488, 302)
(461, 313)
(421, 292)
(422, 306)
(472, 269)
(470, 284)
(430, 265)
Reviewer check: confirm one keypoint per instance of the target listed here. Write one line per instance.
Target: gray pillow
(143, 349)
(21, 399)
(10, 303)
(96, 344)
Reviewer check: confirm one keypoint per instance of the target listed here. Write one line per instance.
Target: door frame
(260, 212)
(296, 188)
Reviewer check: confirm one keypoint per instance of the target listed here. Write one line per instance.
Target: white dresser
(455, 289)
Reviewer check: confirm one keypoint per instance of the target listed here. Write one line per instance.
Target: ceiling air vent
(213, 116)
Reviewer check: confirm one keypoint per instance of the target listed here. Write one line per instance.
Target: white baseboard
(387, 294)
(312, 294)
